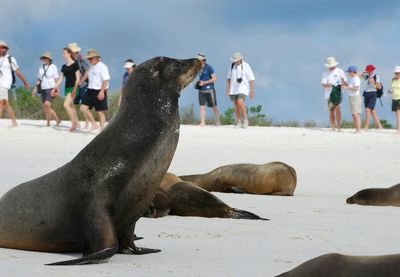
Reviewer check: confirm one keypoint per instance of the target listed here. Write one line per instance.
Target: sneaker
(245, 124)
(239, 124)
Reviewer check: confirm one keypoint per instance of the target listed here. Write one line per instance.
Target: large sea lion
(274, 178)
(337, 265)
(377, 197)
(176, 197)
(92, 203)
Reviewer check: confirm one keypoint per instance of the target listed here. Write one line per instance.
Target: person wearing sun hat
(8, 66)
(46, 82)
(355, 101)
(395, 91)
(333, 78)
(372, 84)
(129, 66)
(206, 90)
(96, 95)
(240, 84)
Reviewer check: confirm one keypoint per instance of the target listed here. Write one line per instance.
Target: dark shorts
(238, 96)
(80, 95)
(208, 97)
(370, 99)
(90, 100)
(46, 96)
(395, 105)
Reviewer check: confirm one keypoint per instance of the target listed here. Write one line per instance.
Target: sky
(285, 42)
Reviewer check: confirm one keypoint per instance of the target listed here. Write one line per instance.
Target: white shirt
(353, 83)
(5, 68)
(333, 78)
(48, 79)
(98, 73)
(242, 71)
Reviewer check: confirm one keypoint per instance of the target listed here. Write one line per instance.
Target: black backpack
(12, 71)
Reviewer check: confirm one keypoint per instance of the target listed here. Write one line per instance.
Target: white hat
(201, 57)
(331, 62)
(73, 46)
(396, 69)
(3, 43)
(46, 55)
(129, 64)
(236, 57)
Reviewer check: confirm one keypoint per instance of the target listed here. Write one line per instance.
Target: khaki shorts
(238, 96)
(355, 103)
(3, 93)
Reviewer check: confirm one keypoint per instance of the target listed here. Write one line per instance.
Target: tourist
(372, 85)
(355, 101)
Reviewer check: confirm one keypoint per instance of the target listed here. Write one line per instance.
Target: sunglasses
(3, 47)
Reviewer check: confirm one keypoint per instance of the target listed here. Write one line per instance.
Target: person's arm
(251, 89)
(84, 78)
(102, 90)
(22, 78)
(76, 86)
(58, 81)
(228, 87)
(212, 80)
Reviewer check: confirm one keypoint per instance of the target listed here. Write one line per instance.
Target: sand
(330, 167)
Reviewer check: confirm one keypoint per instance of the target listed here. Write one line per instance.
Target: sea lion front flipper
(138, 250)
(95, 258)
(242, 214)
(236, 190)
(127, 244)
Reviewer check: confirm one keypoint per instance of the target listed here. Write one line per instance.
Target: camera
(197, 85)
(239, 80)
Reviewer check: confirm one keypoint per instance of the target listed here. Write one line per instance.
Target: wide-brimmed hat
(331, 62)
(201, 57)
(370, 68)
(236, 57)
(73, 46)
(4, 44)
(46, 55)
(92, 53)
(129, 64)
(396, 69)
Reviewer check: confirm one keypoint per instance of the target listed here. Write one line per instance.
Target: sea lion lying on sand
(337, 265)
(176, 197)
(377, 197)
(274, 178)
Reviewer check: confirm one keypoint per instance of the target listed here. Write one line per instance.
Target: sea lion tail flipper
(94, 258)
(242, 214)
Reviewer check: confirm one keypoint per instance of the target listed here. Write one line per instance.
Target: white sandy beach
(330, 167)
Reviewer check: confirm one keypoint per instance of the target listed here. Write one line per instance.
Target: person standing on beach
(46, 82)
(8, 66)
(72, 76)
(240, 84)
(83, 67)
(372, 85)
(207, 95)
(129, 65)
(332, 79)
(96, 95)
(353, 88)
(395, 91)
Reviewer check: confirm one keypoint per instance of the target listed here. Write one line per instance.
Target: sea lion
(176, 197)
(335, 265)
(377, 197)
(92, 203)
(274, 178)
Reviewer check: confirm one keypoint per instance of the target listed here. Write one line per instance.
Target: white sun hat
(331, 62)
(129, 64)
(201, 57)
(4, 44)
(236, 57)
(73, 46)
(396, 69)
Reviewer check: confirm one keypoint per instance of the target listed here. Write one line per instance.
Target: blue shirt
(205, 75)
(125, 78)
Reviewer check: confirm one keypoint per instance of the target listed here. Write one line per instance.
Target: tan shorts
(355, 104)
(3, 93)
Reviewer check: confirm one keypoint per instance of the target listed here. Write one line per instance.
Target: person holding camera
(372, 85)
(207, 95)
(240, 84)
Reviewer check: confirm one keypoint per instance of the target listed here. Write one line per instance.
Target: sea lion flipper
(236, 190)
(242, 214)
(94, 258)
(138, 251)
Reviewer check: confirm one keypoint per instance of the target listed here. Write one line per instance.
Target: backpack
(335, 98)
(379, 92)
(12, 71)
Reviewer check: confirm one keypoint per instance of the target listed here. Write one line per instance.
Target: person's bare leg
(398, 121)
(46, 109)
(237, 114)
(367, 118)
(357, 122)
(71, 112)
(102, 119)
(11, 114)
(242, 109)
(377, 122)
(332, 119)
(53, 115)
(2, 104)
(338, 118)
(202, 115)
(85, 110)
(217, 115)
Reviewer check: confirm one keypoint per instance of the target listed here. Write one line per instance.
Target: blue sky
(285, 42)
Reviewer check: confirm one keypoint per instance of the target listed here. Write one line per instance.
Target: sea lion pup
(274, 178)
(176, 197)
(92, 203)
(377, 197)
(337, 265)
